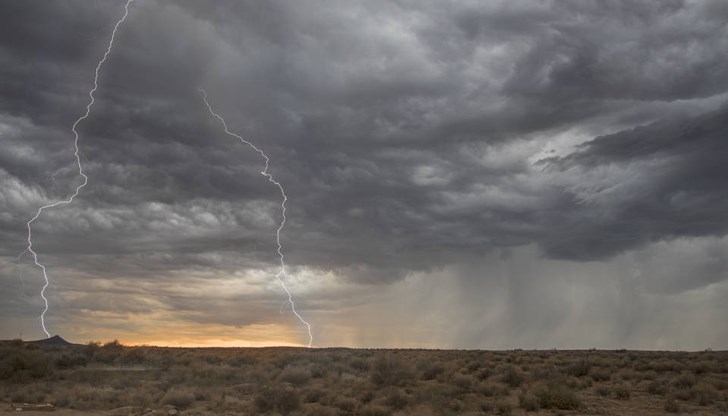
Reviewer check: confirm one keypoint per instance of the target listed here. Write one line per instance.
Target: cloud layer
(555, 169)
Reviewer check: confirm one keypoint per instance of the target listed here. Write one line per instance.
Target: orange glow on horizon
(212, 343)
(192, 335)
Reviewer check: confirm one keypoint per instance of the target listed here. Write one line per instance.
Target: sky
(460, 174)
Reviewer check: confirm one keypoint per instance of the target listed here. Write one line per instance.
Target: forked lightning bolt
(265, 173)
(68, 200)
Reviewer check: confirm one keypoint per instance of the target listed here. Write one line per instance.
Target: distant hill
(55, 340)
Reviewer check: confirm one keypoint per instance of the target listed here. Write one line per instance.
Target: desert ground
(112, 379)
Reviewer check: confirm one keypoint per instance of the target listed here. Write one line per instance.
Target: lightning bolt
(265, 173)
(84, 182)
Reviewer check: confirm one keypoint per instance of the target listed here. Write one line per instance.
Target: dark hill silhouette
(55, 340)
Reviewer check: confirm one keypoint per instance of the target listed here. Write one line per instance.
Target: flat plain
(112, 379)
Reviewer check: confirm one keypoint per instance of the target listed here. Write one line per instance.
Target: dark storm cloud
(409, 136)
(685, 196)
(356, 148)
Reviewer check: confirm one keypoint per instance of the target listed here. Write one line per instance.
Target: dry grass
(291, 381)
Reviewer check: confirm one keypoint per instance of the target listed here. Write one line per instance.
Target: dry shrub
(395, 398)
(628, 374)
(623, 391)
(492, 389)
(108, 353)
(557, 396)
(658, 387)
(359, 364)
(346, 404)
(544, 372)
(322, 411)
(28, 394)
(503, 408)
(430, 370)
(704, 394)
(484, 374)
(671, 406)
(374, 410)
(473, 366)
(667, 365)
(701, 367)
(295, 375)
(181, 398)
(600, 374)
(528, 402)
(277, 399)
(513, 376)
(23, 365)
(579, 368)
(462, 381)
(315, 395)
(133, 355)
(685, 381)
(603, 391)
(388, 370)
(68, 361)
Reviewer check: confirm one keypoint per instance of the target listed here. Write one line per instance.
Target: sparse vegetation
(554, 395)
(301, 382)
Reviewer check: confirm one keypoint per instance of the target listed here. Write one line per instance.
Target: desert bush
(179, 398)
(295, 375)
(115, 344)
(628, 374)
(557, 396)
(395, 398)
(319, 371)
(28, 394)
(430, 370)
(388, 370)
(374, 410)
(623, 391)
(359, 364)
(91, 348)
(579, 368)
(503, 409)
(292, 359)
(277, 399)
(544, 372)
(671, 406)
(682, 394)
(347, 404)
(314, 395)
(701, 367)
(486, 407)
(491, 389)
(66, 361)
(23, 364)
(704, 394)
(107, 353)
(134, 355)
(513, 376)
(484, 374)
(462, 381)
(658, 387)
(321, 411)
(241, 361)
(685, 381)
(528, 402)
(365, 396)
(600, 374)
(603, 391)
(473, 366)
(667, 365)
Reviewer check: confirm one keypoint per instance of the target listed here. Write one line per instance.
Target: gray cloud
(411, 137)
